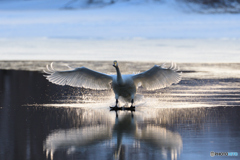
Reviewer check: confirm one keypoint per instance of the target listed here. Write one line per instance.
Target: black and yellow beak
(115, 64)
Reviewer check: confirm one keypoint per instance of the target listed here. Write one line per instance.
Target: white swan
(123, 85)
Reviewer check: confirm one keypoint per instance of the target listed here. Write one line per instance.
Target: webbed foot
(116, 108)
(132, 106)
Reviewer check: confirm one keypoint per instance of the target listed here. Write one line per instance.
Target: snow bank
(155, 50)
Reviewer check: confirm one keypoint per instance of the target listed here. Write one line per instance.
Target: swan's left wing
(79, 77)
(157, 77)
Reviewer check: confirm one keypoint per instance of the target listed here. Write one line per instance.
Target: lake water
(40, 120)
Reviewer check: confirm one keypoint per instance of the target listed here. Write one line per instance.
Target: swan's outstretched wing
(79, 77)
(158, 77)
(159, 137)
(72, 138)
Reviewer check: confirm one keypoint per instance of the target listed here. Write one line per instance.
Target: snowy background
(133, 30)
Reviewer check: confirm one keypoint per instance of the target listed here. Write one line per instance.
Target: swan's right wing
(159, 137)
(79, 77)
(157, 77)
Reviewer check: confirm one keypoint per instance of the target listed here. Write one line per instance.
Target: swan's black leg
(115, 107)
(132, 104)
(116, 103)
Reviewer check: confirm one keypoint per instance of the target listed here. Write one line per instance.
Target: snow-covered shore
(126, 31)
(119, 21)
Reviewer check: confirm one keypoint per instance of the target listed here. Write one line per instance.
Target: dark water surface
(40, 120)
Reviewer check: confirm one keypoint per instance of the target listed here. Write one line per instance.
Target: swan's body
(127, 89)
(123, 85)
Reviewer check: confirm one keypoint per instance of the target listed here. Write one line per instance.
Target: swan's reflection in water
(122, 135)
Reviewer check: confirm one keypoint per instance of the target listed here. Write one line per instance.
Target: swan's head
(115, 64)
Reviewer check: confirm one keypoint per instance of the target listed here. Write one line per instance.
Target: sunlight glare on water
(187, 120)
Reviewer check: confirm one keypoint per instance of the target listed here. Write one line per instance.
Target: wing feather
(78, 77)
(158, 77)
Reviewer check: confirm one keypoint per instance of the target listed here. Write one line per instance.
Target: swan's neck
(119, 76)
